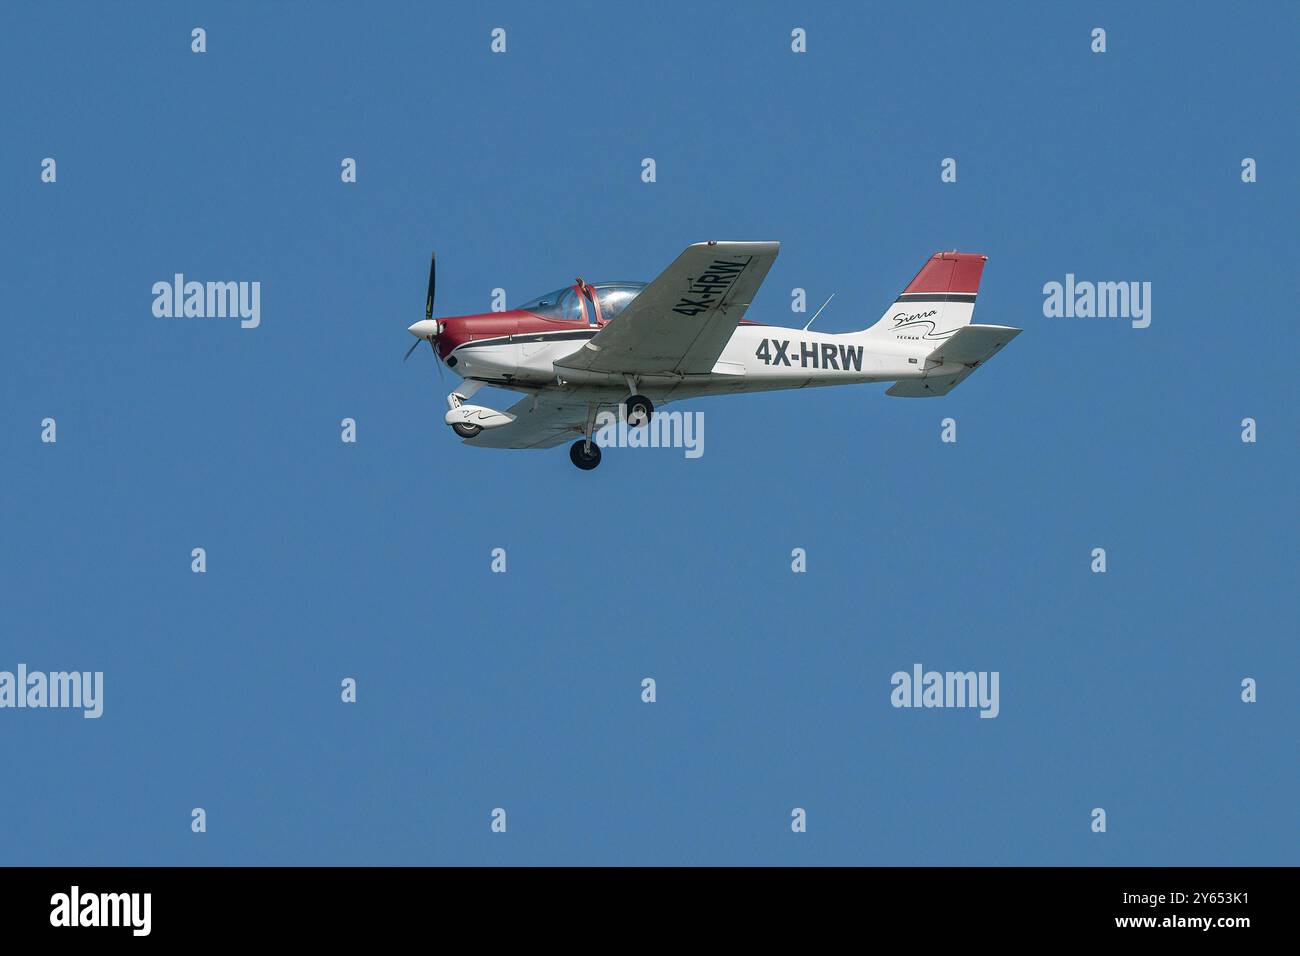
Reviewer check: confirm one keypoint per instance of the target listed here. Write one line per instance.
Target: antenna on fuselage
(817, 313)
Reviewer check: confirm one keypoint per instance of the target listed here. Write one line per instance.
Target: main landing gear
(584, 452)
(637, 409)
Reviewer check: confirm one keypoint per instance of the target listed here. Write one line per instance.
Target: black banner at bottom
(93, 905)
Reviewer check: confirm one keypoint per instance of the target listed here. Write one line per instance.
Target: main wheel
(583, 455)
(466, 431)
(637, 410)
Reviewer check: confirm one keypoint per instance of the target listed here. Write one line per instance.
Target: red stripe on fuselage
(459, 329)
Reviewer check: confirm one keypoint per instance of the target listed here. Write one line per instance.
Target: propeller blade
(428, 314)
(428, 302)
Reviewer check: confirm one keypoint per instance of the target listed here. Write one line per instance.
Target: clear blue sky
(522, 690)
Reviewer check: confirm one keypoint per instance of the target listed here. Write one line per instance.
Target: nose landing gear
(466, 431)
(457, 399)
(454, 401)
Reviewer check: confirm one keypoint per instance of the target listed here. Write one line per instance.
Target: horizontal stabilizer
(973, 344)
(951, 362)
(925, 387)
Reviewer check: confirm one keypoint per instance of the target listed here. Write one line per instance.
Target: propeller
(429, 332)
(433, 274)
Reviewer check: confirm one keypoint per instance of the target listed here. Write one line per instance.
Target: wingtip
(750, 247)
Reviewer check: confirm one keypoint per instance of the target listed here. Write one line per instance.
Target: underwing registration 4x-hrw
(636, 345)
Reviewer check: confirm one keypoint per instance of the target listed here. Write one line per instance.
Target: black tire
(637, 410)
(583, 456)
(466, 431)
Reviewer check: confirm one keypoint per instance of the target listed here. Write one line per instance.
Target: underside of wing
(541, 421)
(680, 322)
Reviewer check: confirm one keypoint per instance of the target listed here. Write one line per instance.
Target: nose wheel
(459, 397)
(637, 410)
(585, 454)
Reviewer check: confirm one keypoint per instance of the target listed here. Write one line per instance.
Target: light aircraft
(637, 345)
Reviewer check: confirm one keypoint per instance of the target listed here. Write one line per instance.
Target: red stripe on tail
(949, 272)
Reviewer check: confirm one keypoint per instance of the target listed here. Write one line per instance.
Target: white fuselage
(757, 358)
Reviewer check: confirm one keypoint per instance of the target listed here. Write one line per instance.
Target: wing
(681, 322)
(541, 421)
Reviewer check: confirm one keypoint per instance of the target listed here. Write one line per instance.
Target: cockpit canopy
(565, 304)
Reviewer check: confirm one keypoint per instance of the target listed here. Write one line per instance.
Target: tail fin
(935, 304)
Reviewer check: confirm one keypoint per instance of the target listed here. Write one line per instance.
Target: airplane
(636, 345)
